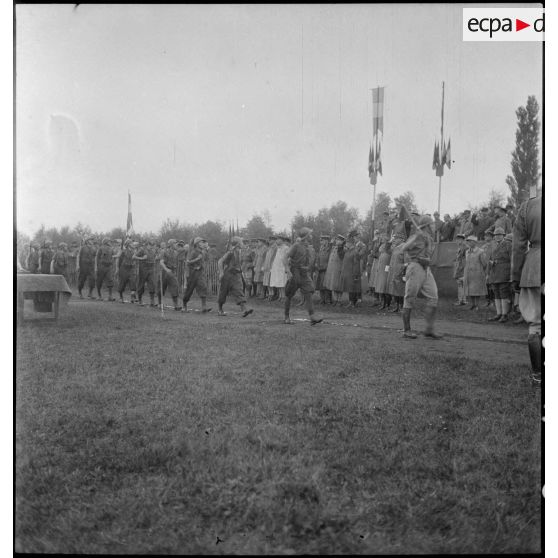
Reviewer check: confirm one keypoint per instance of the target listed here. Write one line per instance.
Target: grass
(199, 434)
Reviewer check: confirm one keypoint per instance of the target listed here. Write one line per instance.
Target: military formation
(497, 261)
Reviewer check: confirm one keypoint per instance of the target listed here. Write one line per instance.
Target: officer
(60, 260)
(526, 275)
(298, 264)
(86, 267)
(168, 263)
(146, 256)
(419, 278)
(197, 258)
(230, 275)
(45, 257)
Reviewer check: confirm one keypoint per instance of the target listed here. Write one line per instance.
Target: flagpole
(443, 150)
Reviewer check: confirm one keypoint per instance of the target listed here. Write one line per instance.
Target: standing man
(459, 269)
(484, 222)
(419, 278)
(526, 275)
(86, 267)
(32, 262)
(261, 250)
(438, 223)
(181, 267)
(499, 266)
(104, 259)
(168, 263)
(147, 256)
(196, 260)
(248, 257)
(502, 220)
(297, 268)
(60, 260)
(230, 274)
(447, 229)
(45, 257)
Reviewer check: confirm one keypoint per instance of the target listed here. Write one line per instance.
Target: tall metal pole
(442, 149)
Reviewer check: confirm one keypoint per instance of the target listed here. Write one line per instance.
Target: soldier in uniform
(321, 267)
(60, 260)
(168, 263)
(32, 262)
(182, 269)
(72, 262)
(419, 277)
(230, 274)
(526, 275)
(298, 266)
(268, 262)
(351, 268)
(502, 220)
(45, 257)
(499, 268)
(126, 270)
(147, 256)
(487, 249)
(197, 258)
(86, 267)
(104, 259)
(247, 261)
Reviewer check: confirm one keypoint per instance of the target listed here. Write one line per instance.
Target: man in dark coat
(86, 267)
(104, 259)
(321, 268)
(197, 258)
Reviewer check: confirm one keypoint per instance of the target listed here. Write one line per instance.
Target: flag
(377, 110)
(129, 223)
(448, 154)
(370, 162)
(436, 157)
(378, 159)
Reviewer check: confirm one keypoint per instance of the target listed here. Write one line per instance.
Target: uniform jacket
(351, 268)
(86, 256)
(526, 249)
(499, 265)
(104, 256)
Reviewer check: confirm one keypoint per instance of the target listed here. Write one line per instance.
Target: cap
(198, 239)
(473, 238)
(459, 235)
(107, 241)
(353, 233)
(180, 242)
(488, 233)
(499, 230)
(236, 240)
(171, 241)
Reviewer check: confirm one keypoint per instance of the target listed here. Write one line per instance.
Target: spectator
(447, 229)
(474, 274)
(458, 269)
(438, 223)
(484, 221)
(465, 226)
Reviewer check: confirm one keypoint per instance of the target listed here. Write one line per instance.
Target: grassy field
(199, 434)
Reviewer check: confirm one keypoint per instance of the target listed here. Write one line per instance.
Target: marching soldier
(126, 270)
(146, 256)
(230, 274)
(104, 260)
(45, 257)
(168, 263)
(32, 262)
(526, 275)
(86, 267)
(197, 258)
(419, 278)
(60, 260)
(297, 268)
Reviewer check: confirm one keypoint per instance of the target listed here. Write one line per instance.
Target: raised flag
(377, 110)
(129, 223)
(370, 162)
(436, 156)
(379, 160)
(448, 154)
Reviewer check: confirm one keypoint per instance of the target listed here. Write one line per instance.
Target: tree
(257, 227)
(344, 218)
(525, 156)
(407, 199)
(383, 203)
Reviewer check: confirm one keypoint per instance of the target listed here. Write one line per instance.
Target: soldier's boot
(110, 297)
(505, 311)
(140, 299)
(159, 300)
(100, 296)
(535, 354)
(407, 333)
(245, 311)
(430, 317)
(175, 302)
(80, 293)
(287, 320)
(205, 309)
(133, 297)
(121, 294)
(90, 295)
(307, 298)
(498, 304)
(152, 300)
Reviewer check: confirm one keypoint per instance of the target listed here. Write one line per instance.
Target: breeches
(419, 280)
(231, 283)
(300, 280)
(170, 282)
(85, 273)
(530, 308)
(147, 275)
(126, 275)
(104, 274)
(196, 280)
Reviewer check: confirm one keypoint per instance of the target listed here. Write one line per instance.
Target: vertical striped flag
(378, 110)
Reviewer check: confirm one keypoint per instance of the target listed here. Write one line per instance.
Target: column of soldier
(397, 266)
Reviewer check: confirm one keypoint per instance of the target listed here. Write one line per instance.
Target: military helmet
(425, 221)
(304, 232)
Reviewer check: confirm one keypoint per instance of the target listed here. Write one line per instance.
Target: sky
(225, 111)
